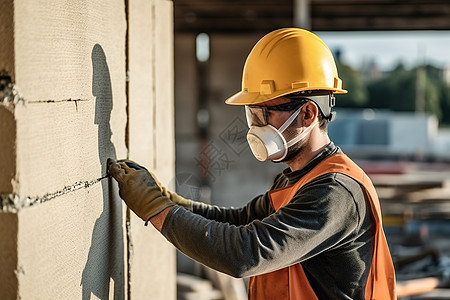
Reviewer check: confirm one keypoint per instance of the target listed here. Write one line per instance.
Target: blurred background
(392, 57)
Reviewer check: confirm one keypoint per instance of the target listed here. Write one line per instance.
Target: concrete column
(152, 264)
(302, 14)
(65, 233)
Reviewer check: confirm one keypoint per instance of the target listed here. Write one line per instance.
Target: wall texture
(64, 231)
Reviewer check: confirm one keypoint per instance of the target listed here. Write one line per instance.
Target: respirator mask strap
(290, 119)
(302, 135)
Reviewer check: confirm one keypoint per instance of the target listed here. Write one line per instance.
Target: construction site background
(84, 81)
(407, 154)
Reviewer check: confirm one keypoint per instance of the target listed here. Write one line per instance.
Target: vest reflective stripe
(380, 283)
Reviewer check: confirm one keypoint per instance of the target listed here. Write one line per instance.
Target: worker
(317, 233)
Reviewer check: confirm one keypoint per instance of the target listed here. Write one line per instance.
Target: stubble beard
(295, 149)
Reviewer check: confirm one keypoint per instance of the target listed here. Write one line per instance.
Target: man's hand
(186, 203)
(141, 192)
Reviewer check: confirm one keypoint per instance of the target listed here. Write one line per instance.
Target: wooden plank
(414, 181)
(416, 286)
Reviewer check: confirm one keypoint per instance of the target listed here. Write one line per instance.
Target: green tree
(443, 93)
(445, 103)
(397, 91)
(352, 80)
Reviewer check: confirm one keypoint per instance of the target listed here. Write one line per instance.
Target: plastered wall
(93, 80)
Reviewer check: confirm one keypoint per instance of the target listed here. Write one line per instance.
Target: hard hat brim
(253, 98)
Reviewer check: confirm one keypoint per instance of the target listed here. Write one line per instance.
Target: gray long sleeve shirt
(327, 226)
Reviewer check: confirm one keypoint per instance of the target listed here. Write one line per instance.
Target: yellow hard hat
(286, 61)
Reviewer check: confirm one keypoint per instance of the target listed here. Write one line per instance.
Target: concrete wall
(65, 233)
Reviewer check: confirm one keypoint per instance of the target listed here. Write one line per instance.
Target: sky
(388, 48)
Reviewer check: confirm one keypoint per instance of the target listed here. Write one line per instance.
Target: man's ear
(310, 112)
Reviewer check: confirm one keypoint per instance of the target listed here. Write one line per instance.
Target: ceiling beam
(323, 15)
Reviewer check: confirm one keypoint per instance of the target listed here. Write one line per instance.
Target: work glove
(186, 203)
(139, 189)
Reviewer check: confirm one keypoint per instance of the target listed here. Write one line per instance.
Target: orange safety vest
(291, 282)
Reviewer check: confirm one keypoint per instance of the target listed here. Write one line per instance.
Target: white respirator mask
(267, 142)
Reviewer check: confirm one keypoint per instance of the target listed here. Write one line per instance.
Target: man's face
(294, 120)
(278, 118)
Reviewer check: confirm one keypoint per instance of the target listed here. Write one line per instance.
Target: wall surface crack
(14, 203)
(9, 94)
(56, 101)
